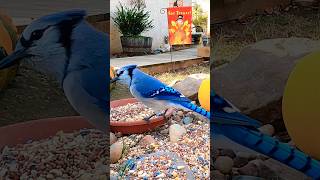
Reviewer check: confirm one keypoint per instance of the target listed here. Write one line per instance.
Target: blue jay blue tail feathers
(196, 109)
(273, 148)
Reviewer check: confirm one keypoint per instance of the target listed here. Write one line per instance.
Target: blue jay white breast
(65, 46)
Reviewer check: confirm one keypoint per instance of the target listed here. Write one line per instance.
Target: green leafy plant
(132, 21)
(199, 18)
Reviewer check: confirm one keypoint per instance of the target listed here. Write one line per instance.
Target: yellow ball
(301, 104)
(204, 94)
(8, 38)
(112, 75)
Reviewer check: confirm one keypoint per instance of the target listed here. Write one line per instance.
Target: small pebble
(147, 140)
(187, 120)
(267, 129)
(113, 138)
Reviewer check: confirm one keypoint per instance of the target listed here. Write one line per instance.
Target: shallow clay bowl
(21, 133)
(133, 127)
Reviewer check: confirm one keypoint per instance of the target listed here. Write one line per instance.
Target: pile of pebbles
(185, 134)
(228, 164)
(130, 112)
(160, 166)
(78, 155)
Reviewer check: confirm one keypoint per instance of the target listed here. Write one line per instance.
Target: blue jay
(153, 93)
(68, 48)
(244, 130)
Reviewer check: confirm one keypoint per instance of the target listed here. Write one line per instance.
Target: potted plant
(132, 22)
(199, 20)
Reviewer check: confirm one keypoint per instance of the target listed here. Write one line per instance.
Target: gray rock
(187, 120)
(217, 175)
(224, 164)
(147, 140)
(113, 138)
(250, 169)
(227, 152)
(190, 85)
(240, 161)
(259, 74)
(116, 151)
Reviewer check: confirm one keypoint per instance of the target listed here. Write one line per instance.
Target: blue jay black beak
(13, 58)
(114, 80)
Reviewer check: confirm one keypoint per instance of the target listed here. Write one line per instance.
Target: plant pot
(136, 45)
(133, 127)
(40, 129)
(196, 38)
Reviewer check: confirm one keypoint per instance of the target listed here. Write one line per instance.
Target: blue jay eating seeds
(65, 46)
(244, 130)
(153, 93)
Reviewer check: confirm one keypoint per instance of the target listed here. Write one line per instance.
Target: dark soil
(30, 96)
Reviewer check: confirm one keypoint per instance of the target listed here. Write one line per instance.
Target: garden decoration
(80, 67)
(131, 23)
(8, 38)
(204, 94)
(244, 130)
(300, 104)
(153, 93)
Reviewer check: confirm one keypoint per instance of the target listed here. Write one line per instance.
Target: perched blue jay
(244, 130)
(153, 93)
(65, 46)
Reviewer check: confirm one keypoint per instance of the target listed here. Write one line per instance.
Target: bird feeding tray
(21, 133)
(133, 127)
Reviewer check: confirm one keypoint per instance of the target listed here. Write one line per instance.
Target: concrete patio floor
(181, 55)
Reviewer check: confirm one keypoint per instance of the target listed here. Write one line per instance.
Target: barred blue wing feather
(166, 93)
(224, 113)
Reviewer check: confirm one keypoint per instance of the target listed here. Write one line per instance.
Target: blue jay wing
(224, 113)
(87, 92)
(166, 93)
(95, 83)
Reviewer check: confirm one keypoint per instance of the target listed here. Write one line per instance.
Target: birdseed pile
(193, 147)
(78, 155)
(130, 112)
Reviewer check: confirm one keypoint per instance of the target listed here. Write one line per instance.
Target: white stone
(175, 132)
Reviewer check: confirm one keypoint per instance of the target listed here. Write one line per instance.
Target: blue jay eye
(37, 34)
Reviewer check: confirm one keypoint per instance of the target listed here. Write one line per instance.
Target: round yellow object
(301, 105)
(112, 75)
(8, 38)
(204, 94)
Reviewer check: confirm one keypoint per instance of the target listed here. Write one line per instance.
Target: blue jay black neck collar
(66, 27)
